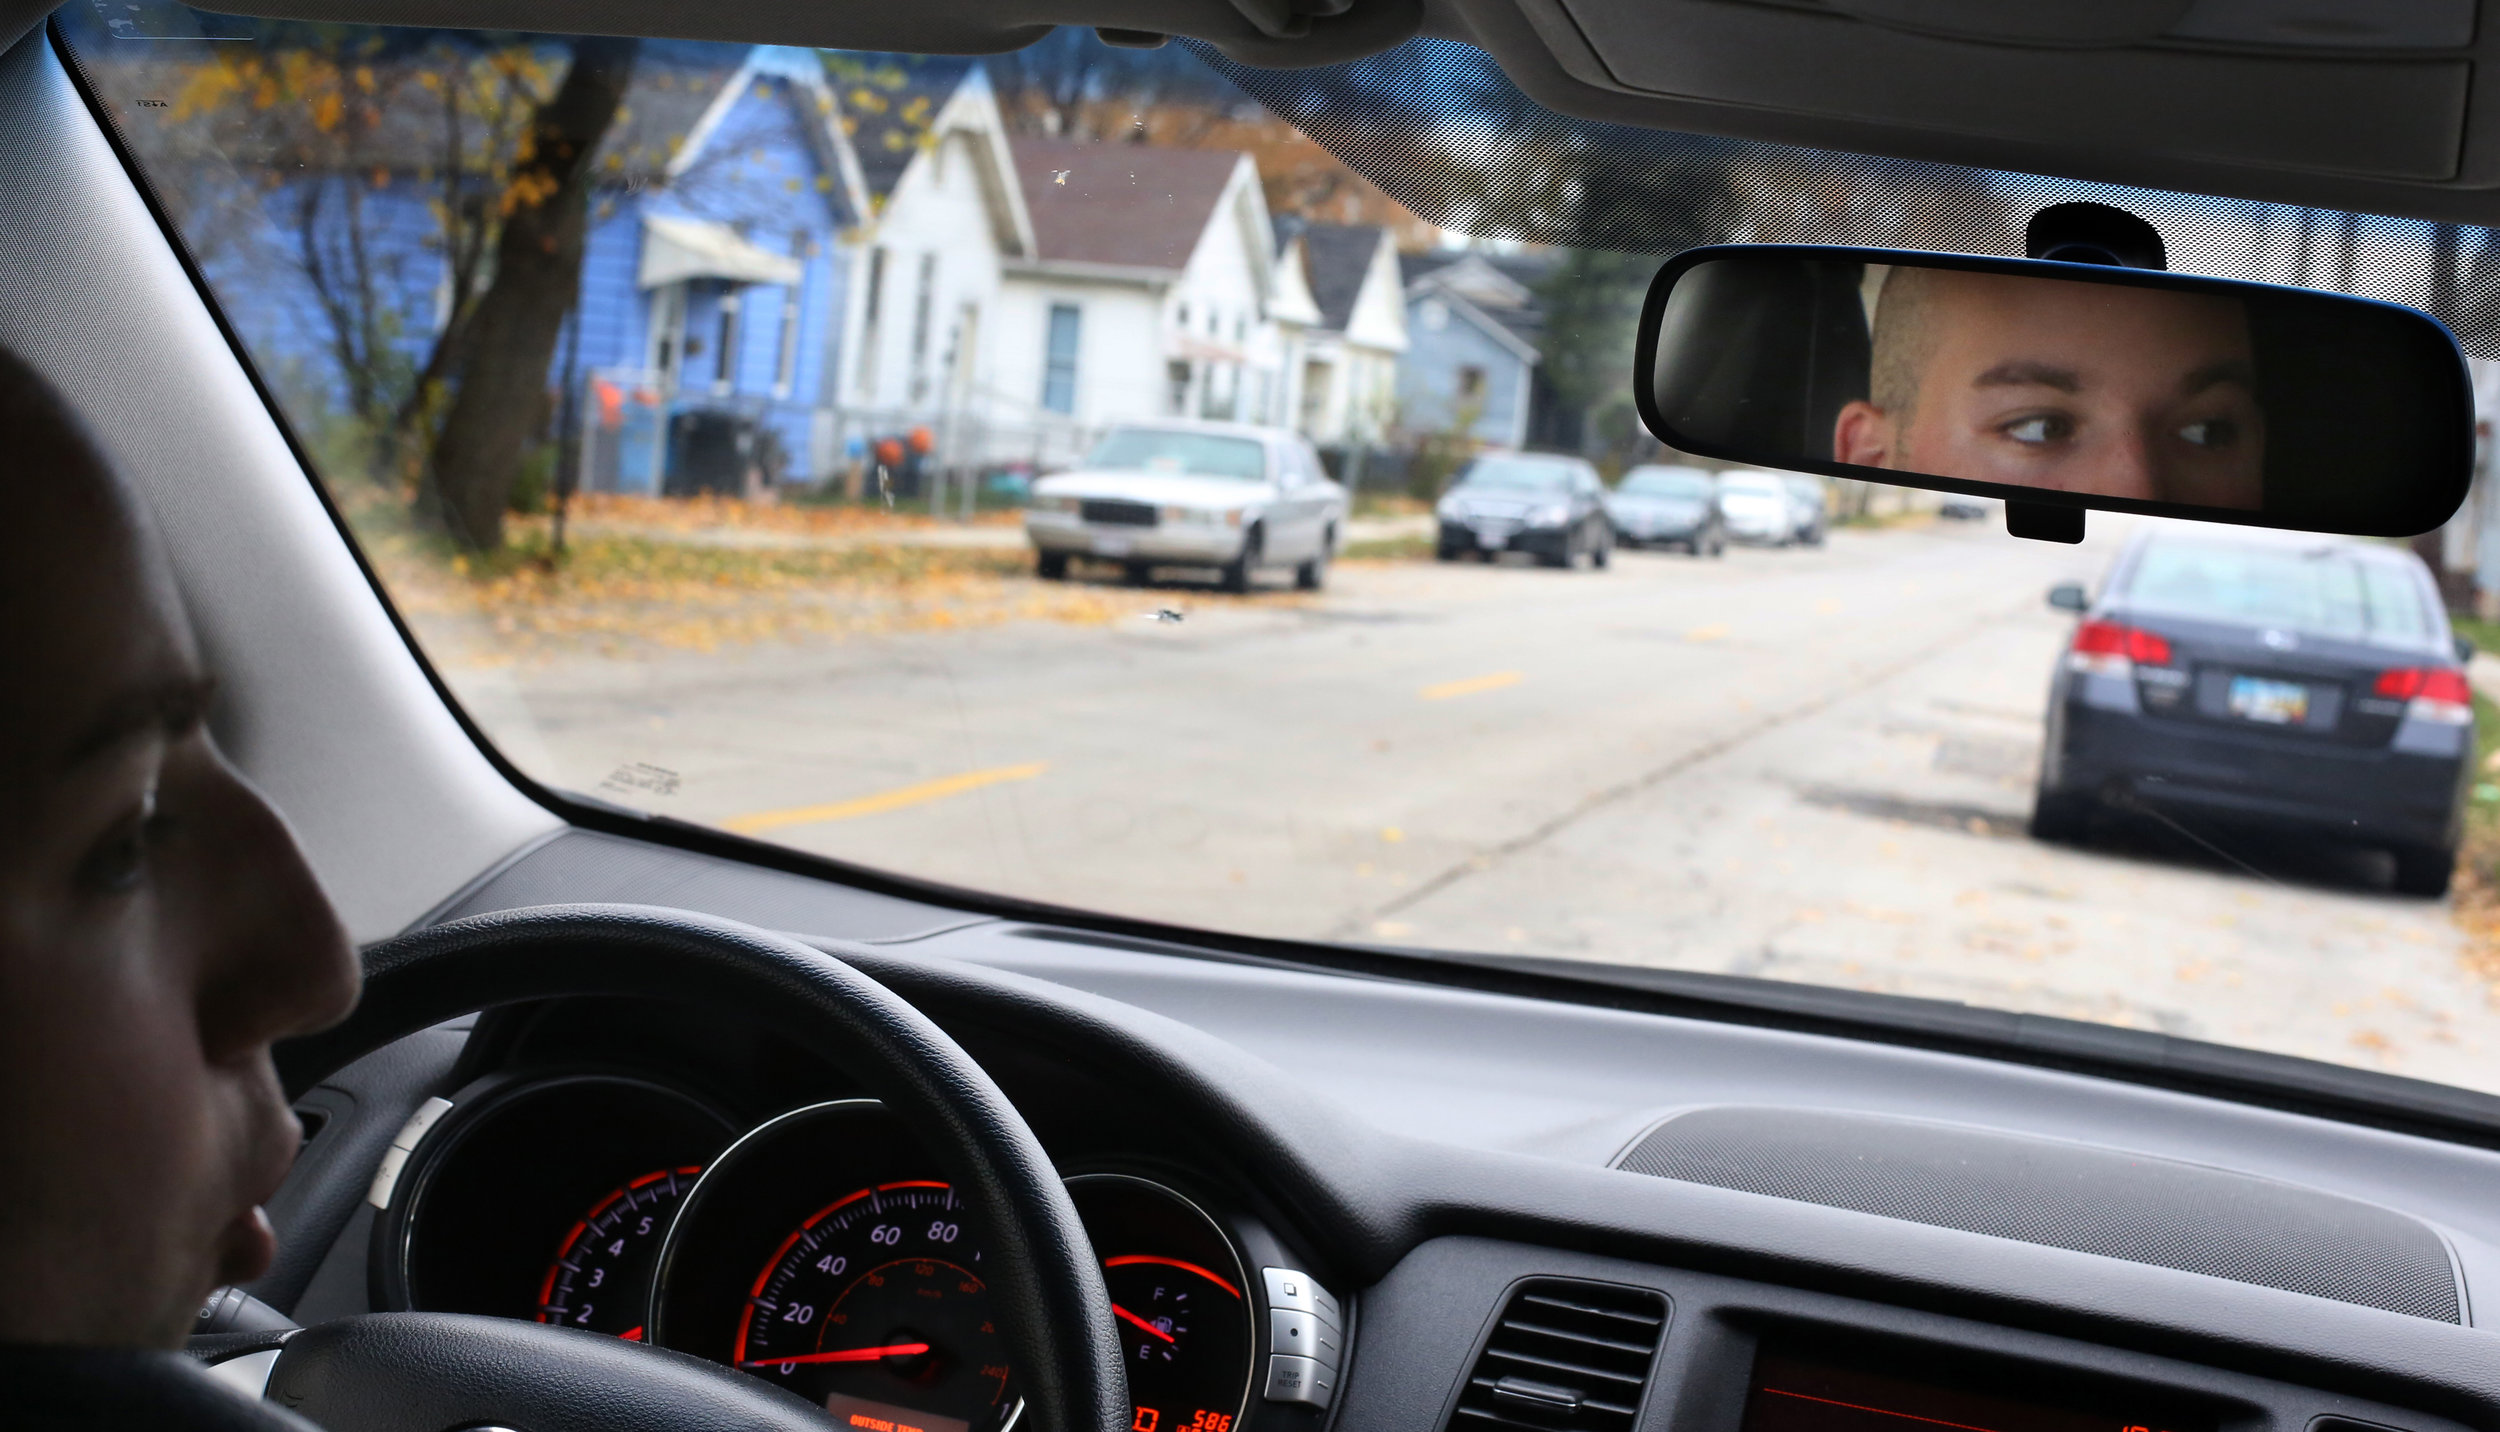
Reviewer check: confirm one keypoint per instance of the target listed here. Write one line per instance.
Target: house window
(1182, 318)
(873, 302)
(725, 370)
(1471, 384)
(924, 299)
(668, 330)
(1059, 358)
(786, 364)
(1176, 387)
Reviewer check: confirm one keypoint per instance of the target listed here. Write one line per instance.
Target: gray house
(1473, 324)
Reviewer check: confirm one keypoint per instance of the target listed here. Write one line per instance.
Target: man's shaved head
(2061, 384)
(1904, 337)
(158, 926)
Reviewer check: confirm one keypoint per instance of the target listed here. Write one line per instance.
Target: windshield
(1195, 454)
(1510, 472)
(1666, 482)
(2328, 589)
(710, 473)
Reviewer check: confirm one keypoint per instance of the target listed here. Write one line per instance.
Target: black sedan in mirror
(2061, 385)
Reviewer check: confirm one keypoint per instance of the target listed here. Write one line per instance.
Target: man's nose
(282, 964)
(2131, 465)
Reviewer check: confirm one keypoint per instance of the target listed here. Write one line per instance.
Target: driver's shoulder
(78, 1389)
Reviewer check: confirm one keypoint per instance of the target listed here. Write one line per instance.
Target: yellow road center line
(882, 801)
(1470, 686)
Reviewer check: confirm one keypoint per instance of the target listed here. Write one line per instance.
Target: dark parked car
(1662, 506)
(1526, 502)
(2301, 683)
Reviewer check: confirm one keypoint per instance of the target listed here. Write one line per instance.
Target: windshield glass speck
(1191, 454)
(717, 477)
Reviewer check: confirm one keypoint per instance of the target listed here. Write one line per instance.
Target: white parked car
(1758, 507)
(1179, 493)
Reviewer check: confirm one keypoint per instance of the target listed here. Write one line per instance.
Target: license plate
(1113, 546)
(2276, 703)
(1493, 537)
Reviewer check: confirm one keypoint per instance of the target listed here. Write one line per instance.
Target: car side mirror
(2069, 597)
(2465, 650)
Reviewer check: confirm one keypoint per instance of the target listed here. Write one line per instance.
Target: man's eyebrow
(2225, 370)
(2024, 373)
(171, 706)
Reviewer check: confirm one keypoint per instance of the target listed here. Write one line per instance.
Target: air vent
(1566, 1357)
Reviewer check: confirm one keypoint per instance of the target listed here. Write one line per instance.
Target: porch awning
(674, 250)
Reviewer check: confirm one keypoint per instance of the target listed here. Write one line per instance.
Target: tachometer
(600, 1278)
(874, 1309)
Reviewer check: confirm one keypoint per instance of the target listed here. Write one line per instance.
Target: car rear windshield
(1513, 472)
(1165, 450)
(1667, 482)
(2329, 590)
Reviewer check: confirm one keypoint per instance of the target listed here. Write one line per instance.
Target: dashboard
(1324, 1203)
(605, 1178)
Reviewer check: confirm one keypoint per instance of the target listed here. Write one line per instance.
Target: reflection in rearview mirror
(2069, 384)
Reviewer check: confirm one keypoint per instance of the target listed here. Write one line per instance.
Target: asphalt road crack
(1485, 860)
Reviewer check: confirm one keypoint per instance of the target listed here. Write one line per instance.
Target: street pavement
(1805, 765)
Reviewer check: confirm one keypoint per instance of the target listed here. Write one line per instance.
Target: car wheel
(2424, 870)
(1236, 576)
(1312, 575)
(2060, 816)
(1051, 566)
(1605, 550)
(1138, 573)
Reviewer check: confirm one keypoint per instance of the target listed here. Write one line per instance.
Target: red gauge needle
(848, 1354)
(1141, 1322)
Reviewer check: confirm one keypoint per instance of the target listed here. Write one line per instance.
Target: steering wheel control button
(1294, 1291)
(1304, 1380)
(420, 1121)
(1302, 1335)
(403, 1143)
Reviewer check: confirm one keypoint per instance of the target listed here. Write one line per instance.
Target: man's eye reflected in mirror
(2074, 387)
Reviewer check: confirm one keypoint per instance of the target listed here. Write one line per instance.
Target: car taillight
(2437, 694)
(2107, 648)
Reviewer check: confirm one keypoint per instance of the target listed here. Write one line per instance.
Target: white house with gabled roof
(1152, 294)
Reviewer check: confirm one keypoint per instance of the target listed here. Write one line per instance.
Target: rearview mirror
(2069, 597)
(2062, 385)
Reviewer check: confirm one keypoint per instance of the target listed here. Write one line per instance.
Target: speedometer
(867, 1297)
(875, 1310)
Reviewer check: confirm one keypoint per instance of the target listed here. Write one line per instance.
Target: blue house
(1473, 324)
(701, 351)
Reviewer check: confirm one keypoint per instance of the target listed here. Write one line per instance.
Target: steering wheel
(425, 1372)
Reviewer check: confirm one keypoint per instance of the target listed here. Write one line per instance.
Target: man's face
(2077, 387)
(158, 929)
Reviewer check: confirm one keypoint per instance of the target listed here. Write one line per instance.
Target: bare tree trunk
(511, 338)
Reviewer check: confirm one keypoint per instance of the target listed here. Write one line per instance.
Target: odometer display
(875, 1309)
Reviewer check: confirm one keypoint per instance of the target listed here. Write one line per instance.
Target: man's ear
(1863, 435)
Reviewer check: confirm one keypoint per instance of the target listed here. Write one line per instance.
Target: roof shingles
(1122, 205)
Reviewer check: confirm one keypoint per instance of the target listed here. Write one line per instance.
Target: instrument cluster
(822, 1250)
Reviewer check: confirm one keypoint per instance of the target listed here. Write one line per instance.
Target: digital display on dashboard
(1793, 1393)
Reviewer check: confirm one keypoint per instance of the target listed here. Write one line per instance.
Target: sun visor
(2259, 102)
